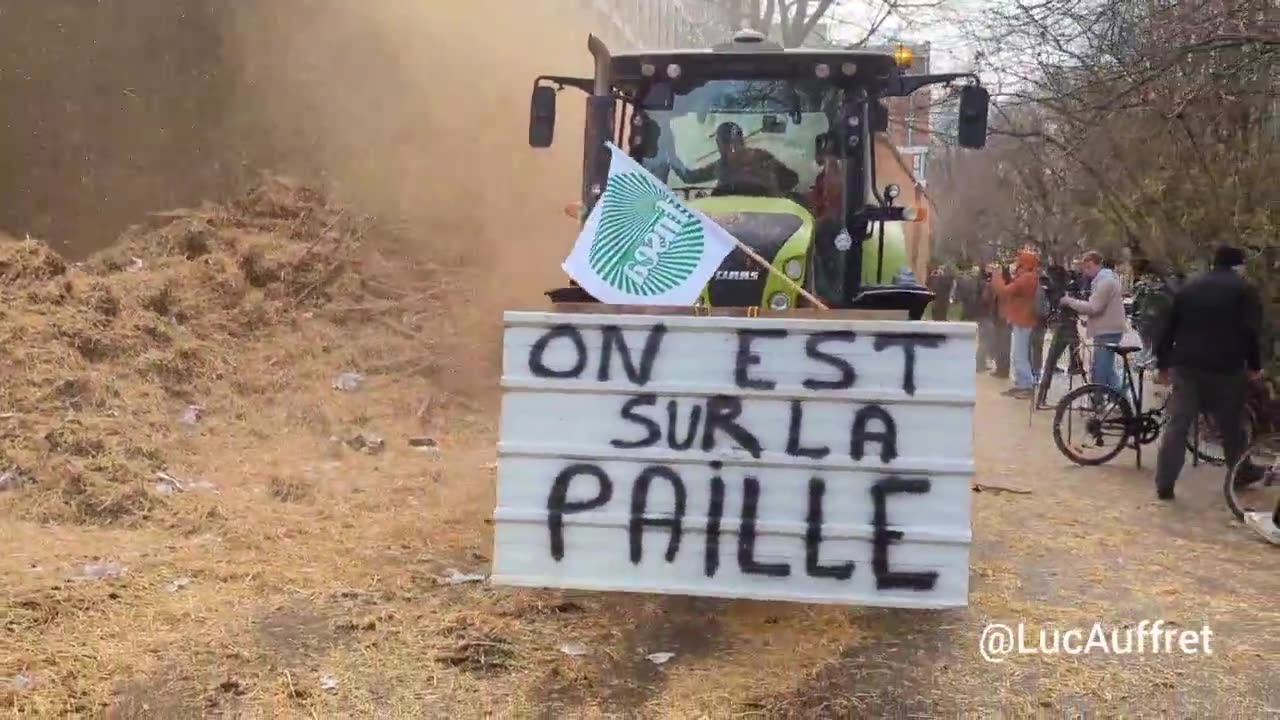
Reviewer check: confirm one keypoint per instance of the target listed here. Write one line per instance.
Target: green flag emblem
(647, 243)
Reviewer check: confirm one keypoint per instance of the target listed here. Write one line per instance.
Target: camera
(1076, 287)
(1068, 284)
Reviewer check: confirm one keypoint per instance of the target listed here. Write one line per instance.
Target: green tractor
(775, 145)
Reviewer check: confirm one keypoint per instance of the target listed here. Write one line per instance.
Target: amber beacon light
(903, 56)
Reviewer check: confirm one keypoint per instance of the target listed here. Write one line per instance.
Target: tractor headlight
(779, 301)
(793, 268)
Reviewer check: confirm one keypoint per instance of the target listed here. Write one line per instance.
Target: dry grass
(296, 576)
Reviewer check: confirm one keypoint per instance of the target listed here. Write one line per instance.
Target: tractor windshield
(751, 137)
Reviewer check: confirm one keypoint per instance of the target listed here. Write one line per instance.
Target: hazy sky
(943, 23)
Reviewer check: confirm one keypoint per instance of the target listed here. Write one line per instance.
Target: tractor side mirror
(972, 128)
(542, 116)
(879, 117)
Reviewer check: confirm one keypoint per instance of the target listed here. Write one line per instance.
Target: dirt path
(1086, 546)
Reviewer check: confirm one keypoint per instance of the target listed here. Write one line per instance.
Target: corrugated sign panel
(784, 459)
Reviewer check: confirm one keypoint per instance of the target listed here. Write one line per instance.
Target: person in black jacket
(1065, 324)
(1211, 348)
(1039, 331)
(941, 282)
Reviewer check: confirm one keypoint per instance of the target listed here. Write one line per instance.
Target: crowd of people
(1202, 336)
(1018, 306)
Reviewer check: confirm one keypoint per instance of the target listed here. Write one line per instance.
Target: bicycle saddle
(1122, 349)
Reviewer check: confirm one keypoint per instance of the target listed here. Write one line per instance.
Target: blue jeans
(1104, 361)
(1021, 358)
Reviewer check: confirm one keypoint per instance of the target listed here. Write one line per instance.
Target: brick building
(910, 118)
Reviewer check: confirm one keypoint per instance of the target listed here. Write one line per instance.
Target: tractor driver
(824, 201)
(740, 170)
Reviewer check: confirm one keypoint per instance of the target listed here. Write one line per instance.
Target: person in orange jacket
(1017, 305)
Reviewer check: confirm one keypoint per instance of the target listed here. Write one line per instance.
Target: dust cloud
(413, 110)
(109, 110)
(418, 111)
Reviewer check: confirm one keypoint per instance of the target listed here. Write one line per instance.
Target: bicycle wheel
(1263, 455)
(1206, 443)
(1105, 415)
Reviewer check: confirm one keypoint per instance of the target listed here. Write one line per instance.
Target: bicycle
(1262, 454)
(1109, 412)
(1259, 419)
(1137, 425)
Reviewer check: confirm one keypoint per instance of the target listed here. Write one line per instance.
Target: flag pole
(778, 273)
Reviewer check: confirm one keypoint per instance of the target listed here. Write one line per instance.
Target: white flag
(641, 245)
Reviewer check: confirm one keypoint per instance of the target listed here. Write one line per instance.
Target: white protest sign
(641, 245)
(809, 460)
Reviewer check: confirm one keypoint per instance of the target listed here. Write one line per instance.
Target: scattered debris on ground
(348, 382)
(453, 577)
(574, 649)
(997, 489)
(178, 584)
(100, 571)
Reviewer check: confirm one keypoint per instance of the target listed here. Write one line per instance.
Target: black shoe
(1164, 494)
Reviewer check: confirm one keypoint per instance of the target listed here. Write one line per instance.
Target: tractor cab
(776, 146)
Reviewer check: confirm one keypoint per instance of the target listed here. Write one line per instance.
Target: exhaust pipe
(604, 65)
(599, 126)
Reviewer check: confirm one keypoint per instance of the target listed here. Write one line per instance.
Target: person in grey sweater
(1104, 316)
